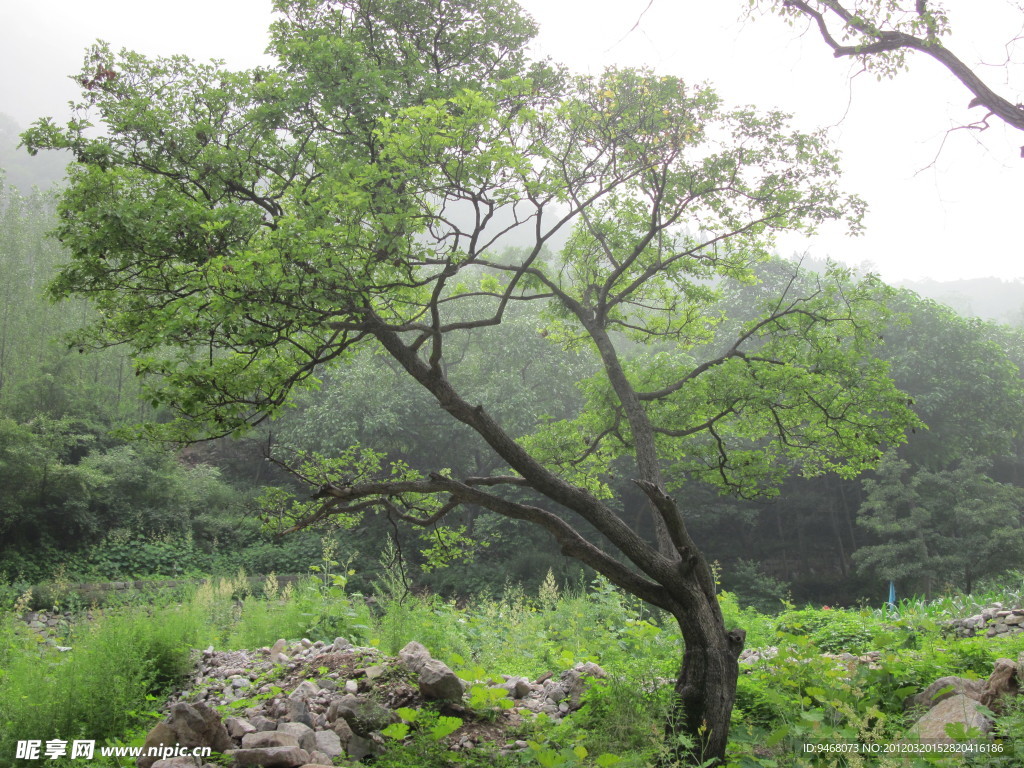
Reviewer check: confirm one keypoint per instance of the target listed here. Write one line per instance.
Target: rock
(517, 687)
(414, 656)
(341, 644)
(278, 647)
(342, 729)
(360, 747)
(261, 723)
(270, 757)
(956, 709)
(159, 735)
(574, 681)
(264, 739)
(302, 732)
(176, 762)
(1002, 682)
(362, 715)
(329, 743)
(295, 711)
(930, 696)
(304, 690)
(438, 682)
(237, 727)
(187, 725)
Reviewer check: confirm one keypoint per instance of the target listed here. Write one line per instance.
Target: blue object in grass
(892, 593)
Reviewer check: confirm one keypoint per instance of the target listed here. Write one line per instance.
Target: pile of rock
(993, 620)
(962, 700)
(305, 704)
(50, 625)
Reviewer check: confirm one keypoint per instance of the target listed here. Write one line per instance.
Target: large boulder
(187, 725)
(958, 708)
(438, 682)
(1004, 681)
(414, 656)
(942, 689)
(329, 743)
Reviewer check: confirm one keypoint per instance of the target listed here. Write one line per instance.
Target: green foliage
(832, 631)
(940, 527)
(754, 588)
(127, 655)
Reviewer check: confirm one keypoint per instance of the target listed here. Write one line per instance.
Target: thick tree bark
(705, 690)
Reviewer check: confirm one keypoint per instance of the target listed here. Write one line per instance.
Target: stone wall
(993, 620)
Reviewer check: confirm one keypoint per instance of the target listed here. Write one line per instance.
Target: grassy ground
(110, 685)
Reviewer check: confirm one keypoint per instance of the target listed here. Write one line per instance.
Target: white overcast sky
(945, 215)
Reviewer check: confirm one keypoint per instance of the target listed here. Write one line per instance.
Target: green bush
(833, 631)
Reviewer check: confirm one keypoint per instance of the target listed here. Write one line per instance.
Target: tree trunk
(706, 688)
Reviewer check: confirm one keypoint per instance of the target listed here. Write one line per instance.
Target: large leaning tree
(241, 231)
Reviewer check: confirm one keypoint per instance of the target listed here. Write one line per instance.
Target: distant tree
(242, 231)
(966, 386)
(880, 34)
(937, 528)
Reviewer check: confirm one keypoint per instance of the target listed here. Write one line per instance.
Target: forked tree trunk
(706, 688)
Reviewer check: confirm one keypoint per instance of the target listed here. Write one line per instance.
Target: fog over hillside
(989, 298)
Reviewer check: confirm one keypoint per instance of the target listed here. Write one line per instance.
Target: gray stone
(278, 647)
(414, 656)
(341, 644)
(271, 757)
(159, 735)
(574, 681)
(304, 690)
(295, 711)
(261, 723)
(342, 729)
(302, 732)
(263, 739)
(187, 725)
(176, 762)
(956, 709)
(363, 716)
(359, 747)
(237, 727)
(438, 682)
(329, 743)
(930, 696)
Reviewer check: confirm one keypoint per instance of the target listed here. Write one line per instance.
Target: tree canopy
(243, 232)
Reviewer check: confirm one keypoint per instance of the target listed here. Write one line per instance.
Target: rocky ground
(306, 703)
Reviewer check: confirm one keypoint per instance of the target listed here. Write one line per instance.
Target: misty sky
(942, 214)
